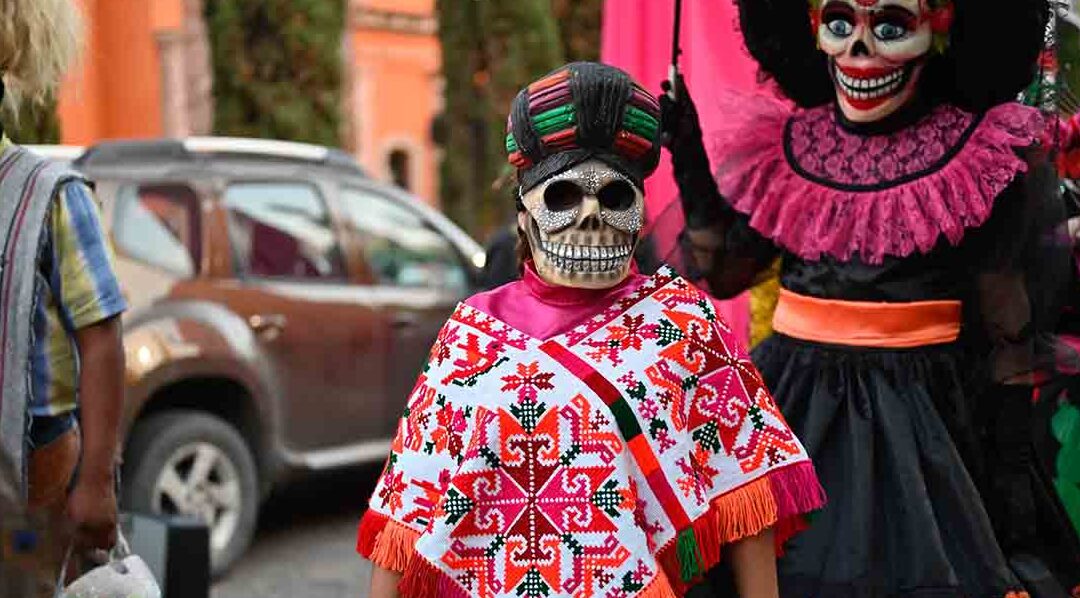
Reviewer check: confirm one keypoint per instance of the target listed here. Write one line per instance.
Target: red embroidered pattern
(490, 326)
(528, 381)
(480, 357)
(724, 403)
(628, 335)
(662, 277)
(440, 351)
(550, 471)
(535, 503)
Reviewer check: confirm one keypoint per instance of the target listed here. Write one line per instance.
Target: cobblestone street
(305, 545)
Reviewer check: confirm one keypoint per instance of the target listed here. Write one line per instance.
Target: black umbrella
(676, 49)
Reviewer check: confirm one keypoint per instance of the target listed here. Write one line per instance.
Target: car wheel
(189, 463)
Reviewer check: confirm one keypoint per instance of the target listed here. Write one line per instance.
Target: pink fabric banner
(637, 37)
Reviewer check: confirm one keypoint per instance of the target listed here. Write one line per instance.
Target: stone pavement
(305, 546)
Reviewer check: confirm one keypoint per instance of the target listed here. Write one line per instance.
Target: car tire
(164, 442)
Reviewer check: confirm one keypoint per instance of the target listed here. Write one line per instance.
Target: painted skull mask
(878, 49)
(582, 225)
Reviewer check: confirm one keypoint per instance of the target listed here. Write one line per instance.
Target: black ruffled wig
(992, 55)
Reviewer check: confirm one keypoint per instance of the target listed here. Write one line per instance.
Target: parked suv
(282, 304)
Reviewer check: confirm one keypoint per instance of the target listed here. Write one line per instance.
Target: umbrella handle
(673, 75)
(676, 51)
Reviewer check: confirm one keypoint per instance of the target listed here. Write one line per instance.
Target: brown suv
(282, 304)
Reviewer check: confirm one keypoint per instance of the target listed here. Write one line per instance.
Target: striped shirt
(80, 289)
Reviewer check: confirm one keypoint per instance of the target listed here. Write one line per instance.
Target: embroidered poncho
(612, 460)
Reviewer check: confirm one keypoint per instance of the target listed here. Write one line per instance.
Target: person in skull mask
(917, 219)
(586, 431)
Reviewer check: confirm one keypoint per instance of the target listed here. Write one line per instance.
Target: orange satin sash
(866, 324)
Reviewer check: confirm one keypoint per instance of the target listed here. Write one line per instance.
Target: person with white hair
(61, 358)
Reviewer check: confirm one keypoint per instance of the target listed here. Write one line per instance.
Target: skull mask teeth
(877, 51)
(582, 226)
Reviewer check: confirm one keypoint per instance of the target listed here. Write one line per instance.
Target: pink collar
(543, 310)
(562, 296)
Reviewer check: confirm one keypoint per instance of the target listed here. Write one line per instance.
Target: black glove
(680, 128)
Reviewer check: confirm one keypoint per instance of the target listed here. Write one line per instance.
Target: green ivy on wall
(277, 68)
(491, 49)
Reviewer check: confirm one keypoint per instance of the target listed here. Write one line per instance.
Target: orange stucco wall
(397, 96)
(395, 77)
(116, 92)
(418, 7)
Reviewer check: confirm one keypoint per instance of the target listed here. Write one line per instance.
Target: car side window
(282, 230)
(158, 224)
(401, 248)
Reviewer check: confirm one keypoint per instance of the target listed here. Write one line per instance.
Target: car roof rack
(191, 148)
(56, 151)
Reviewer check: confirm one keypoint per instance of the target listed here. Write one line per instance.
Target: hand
(680, 127)
(91, 510)
(681, 134)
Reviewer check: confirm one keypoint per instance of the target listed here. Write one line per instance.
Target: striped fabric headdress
(579, 112)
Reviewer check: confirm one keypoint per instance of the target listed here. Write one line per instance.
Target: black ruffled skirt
(895, 437)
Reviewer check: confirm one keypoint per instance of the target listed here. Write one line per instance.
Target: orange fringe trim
(424, 580)
(746, 511)
(742, 513)
(659, 587)
(394, 547)
(370, 525)
(386, 542)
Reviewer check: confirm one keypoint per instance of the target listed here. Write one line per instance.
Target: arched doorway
(399, 165)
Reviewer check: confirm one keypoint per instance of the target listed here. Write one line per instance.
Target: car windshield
(401, 248)
(158, 225)
(282, 230)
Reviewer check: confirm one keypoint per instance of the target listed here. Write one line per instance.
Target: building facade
(394, 90)
(146, 73)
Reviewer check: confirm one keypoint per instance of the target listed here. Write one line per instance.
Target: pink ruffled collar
(816, 188)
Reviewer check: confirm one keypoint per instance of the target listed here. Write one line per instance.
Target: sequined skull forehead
(582, 225)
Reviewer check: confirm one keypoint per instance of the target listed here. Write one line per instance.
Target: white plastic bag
(124, 576)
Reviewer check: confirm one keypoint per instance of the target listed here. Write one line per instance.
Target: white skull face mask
(582, 226)
(877, 50)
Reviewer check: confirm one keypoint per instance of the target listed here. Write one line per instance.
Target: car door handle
(267, 325)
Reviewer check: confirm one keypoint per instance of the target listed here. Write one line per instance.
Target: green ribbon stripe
(555, 119)
(640, 123)
(690, 564)
(511, 144)
(625, 419)
(637, 114)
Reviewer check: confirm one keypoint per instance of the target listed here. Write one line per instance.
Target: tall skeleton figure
(911, 203)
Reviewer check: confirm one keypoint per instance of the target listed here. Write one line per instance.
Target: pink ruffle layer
(812, 219)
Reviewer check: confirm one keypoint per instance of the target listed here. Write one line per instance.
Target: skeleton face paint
(582, 226)
(877, 50)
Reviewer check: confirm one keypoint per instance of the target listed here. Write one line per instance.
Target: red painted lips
(866, 88)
